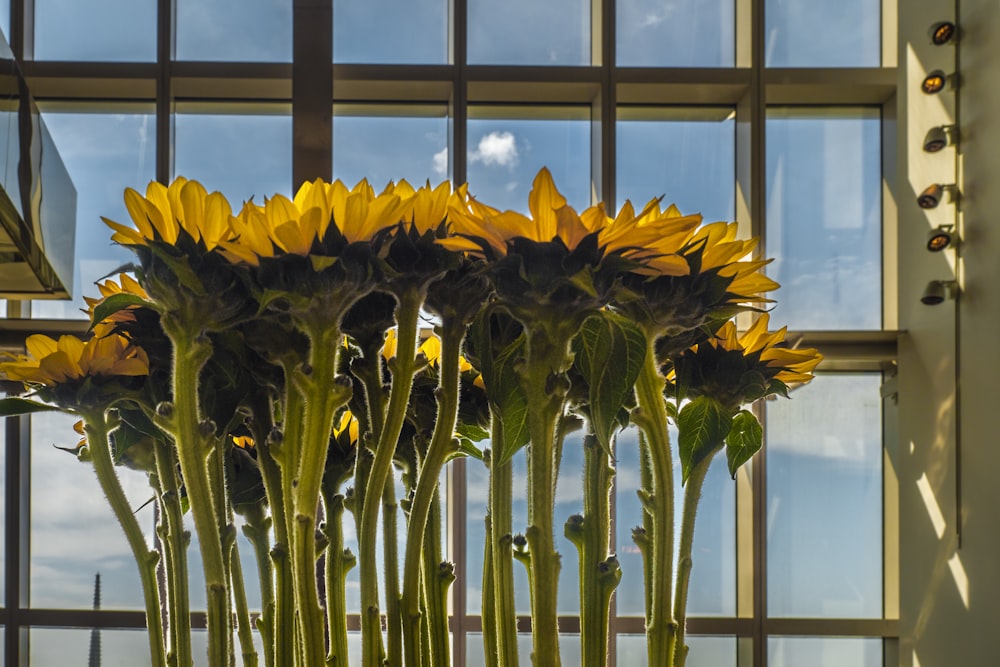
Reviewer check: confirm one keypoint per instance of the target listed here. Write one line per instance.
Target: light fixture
(943, 32)
(932, 195)
(941, 237)
(937, 81)
(937, 291)
(938, 138)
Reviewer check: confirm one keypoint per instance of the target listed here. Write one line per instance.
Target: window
(790, 556)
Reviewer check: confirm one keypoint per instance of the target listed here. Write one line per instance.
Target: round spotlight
(931, 196)
(937, 139)
(934, 294)
(934, 82)
(943, 32)
(939, 238)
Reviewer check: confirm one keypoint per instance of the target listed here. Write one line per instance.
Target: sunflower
(167, 214)
(737, 369)
(126, 285)
(74, 373)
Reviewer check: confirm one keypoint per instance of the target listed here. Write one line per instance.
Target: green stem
(323, 396)
(244, 628)
(676, 648)
(452, 333)
(403, 369)
(256, 530)
(175, 543)
(338, 563)
(195, 442)
(644, 538)
(437, 577)
(660, 626)
(501, 499)
(390, 574)
(599, 572)
(547, 357)
(145, 558)
(488, 602)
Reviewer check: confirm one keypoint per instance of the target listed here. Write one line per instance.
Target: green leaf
(472, 432)
(10, 407)
(466, 447)
(115, 303)
(181, 268)
(702, 426)
(510, 403)
(743, 441)
(609, 352)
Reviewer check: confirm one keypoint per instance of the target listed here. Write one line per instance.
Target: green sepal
(115, 303)
(322, 262)
(11, 407)
(702, 425)
(609, 351)
(181, 268)
(744, 440)
(468, 448)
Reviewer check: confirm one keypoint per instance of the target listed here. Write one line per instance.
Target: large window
(621, 100)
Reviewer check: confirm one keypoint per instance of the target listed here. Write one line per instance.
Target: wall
(949, 589)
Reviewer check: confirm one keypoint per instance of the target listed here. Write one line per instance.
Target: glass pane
(104, 152)
(704, 651)
(240, 155)
(823, 652)
(712, 591)
(5, 19)
(569, 649)
(507, 150)
(824, 499)
(824, 217)
(823, 33)
(237, 30)
(74, 533)
(58, 33)
(526, 32)
(686, 155)
(107, 648)
(389, 143)
(684, 33)
(409, 31)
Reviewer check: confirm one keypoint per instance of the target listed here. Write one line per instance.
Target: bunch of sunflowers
(270, 363)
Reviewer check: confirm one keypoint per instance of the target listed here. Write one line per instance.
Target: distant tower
(95, 634)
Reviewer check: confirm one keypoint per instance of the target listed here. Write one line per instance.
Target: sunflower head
(549, 264)
(738, 369)
(179, 231)
(77, 374)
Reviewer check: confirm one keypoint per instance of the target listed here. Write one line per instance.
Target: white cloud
(441, 162)
(496, 148)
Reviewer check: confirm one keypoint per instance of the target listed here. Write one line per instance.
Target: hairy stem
(403, 369)
(425, 494)
(338, 563)
(146, 559)
(256, 531)
(175, 543)
(501, 499)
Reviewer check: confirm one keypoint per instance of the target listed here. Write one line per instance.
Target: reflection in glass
(409, 31)
(687, 155)
(712, 589)
(684, 33)
(240, 155)
(104, 152)
(705, 651)
(389, 143)
(823, 652)
(824, 217)
(823, 33)
(58, 33)
(824, 500)
(526, 32)
(508, 146)
(235, 30)
(74, 534)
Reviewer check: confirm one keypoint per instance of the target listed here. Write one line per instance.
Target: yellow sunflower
(51, 363)
(164, 212)
(294, 226)
(126, 285)
(653, 238)
(793, 365)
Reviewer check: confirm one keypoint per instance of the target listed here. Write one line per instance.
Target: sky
(823, 222)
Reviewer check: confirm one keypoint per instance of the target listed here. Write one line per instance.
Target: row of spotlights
(938, 138)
